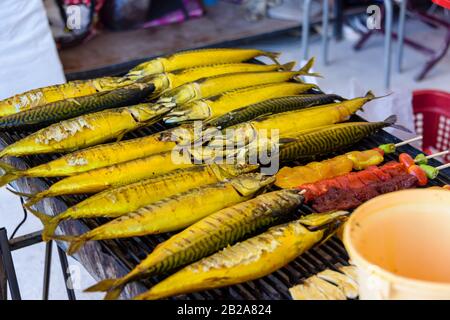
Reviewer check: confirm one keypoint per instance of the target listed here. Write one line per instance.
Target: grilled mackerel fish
(118, 201)
(208, 235)
(176, 212)
(248, 260)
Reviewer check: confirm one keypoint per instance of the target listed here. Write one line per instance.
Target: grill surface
(130, 252)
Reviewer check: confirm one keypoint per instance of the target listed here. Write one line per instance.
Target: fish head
(145, 112)
(318, 220)
(223, 171)
(250, 183)
(147, 68)
(195, 110)
(182, 94)
(111, 83)
(234, 137)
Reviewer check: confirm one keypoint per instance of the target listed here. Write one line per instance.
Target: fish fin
(288, 66)
(50, 224)
(272, 56)
(390, 121)
(120, 136)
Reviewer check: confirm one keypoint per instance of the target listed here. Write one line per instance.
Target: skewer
(390, 147)
(442, 153)
(444, 166)
(423, 159)
(409, 141)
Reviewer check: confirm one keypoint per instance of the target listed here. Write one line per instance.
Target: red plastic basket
(432, 119)
(443, 3)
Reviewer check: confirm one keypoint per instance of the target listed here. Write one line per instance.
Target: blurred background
(398, 47)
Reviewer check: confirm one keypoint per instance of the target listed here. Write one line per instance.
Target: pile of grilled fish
(230, 221)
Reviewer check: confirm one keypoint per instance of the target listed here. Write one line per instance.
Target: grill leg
(8, 267)
(47, 269)
(64, 267)
(3, 282)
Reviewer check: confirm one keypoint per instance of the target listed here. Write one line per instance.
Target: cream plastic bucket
(400, 243)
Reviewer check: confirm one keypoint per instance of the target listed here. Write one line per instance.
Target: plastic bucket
(400, 243)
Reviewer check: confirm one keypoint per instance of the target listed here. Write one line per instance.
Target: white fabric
(28, 55)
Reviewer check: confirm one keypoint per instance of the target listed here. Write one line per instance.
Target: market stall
(217, 173)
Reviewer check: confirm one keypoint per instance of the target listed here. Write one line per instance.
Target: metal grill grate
(129, 252)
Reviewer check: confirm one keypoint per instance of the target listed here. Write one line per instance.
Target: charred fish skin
(248, 260)
(272, 106)
(210, 234)
(308, 146)
(70, 108)
(177, 212)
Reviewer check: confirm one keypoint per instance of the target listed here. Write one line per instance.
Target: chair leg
(401, 33)
(387, 42)
(339, 19)
(364, 37)
(325, 21)
(305, 28)
(64, 267)
(434, 60)
(47, 269)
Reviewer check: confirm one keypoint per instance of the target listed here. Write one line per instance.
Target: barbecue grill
(115, 258)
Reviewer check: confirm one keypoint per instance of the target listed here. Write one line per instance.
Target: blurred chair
(387, 30)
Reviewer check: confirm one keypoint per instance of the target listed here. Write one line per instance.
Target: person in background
(28, 55)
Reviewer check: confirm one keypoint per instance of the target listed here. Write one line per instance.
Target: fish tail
(305, 70)
(112, 287)
(288, 66)
(22, 194)
(272, 56)
(103, 286)
(34, 198)
(371, 96)
(390, 122)
(11, 174)
(114, 293)
(308, 65)
(3, 153)
(75, 243)
(50, 223)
